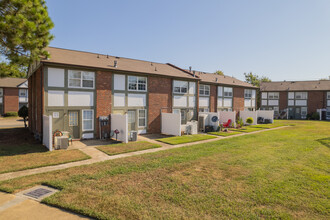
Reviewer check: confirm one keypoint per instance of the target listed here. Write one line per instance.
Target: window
(23, 92)
(137, 83)
(264, 95)
(228, 92)
(328, 112)
(301, 95)
(142, 118)
(73, 118)
(183, 113)
(220, 91)
(81, 79)
(248, 93)
(203, 110)
(303, 110)
(1, 91)
(328, 95)
(276, 110)
(273, 95)
(204, 90)
(88, 120)
(180, 87)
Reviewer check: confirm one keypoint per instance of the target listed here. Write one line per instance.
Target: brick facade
(315, 101)
(103, 98)
(213, 98)
(238, 99)
(283, 102)
(36, 103)
(10, 100)
(159, 96)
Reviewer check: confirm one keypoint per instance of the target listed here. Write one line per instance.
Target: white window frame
(273, 95)
(203, 89)
(302, 94)
(25, 93)
(83, 120)
(248, 93)
(1, 92)
(81, 79)
(137, 83)
(181, 87)
(145, 118)
(229, 94)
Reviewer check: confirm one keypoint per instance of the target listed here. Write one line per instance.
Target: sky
(279, 39)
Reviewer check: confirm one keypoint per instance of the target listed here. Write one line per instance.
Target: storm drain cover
(37, 193)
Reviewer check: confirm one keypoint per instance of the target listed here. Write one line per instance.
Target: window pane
(87, 83)
(74, 74)
(132, 86)
(88, 75)
(142, 122)
(142, 87)
(207, 92)
(88, 125)
(74, 82)
(201, 91)
(183, 90)
(132, 79)
(88, 115)
(142, 80)
(177, 89)
(141, 113)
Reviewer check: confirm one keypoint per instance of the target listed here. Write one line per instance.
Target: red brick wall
(159, 96)
(238, 100)
(10, 100)
(103, 98)
(36, 104)
(315, 101)
(213, 98)
(283, 102)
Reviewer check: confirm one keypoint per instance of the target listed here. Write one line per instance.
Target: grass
(114, 149)
(246, 129)
(266, 126)
(19, 151)
(279, 174)
(225, 134)
(185, 139)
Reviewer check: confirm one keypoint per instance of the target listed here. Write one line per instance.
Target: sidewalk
(98, 156)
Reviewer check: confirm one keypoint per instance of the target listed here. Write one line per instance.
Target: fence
(171, 124)
(120, 122)
(47, 137)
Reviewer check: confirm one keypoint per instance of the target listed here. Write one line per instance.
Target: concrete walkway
(19, 207)
(98, 156)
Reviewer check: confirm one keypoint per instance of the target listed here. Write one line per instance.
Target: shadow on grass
(16, 141)
(324, 141)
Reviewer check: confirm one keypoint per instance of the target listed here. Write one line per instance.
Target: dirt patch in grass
(114, 149)
(185, 139)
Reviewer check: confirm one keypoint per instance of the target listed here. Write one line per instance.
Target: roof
(11, 82)
(296, 86)
(94, 60)
(221, 80)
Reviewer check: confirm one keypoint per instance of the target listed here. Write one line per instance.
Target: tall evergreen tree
(24, 32)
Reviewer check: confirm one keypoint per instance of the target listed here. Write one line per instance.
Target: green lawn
(114, 149)
(246, 129)
(225, 134)
(185, 139)
(279, 174)
(19, 151)
(266, 126)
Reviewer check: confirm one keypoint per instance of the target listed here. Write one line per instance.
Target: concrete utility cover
(37, 193)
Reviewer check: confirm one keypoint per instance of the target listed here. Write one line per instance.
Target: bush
(315, 116)
(23, 113)
(240, 122)
(11, 114)
(249, 120)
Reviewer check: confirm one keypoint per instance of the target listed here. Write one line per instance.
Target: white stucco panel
(328, 103)
(81, 98)
(264, 102)
(273, 102)
(204, 101)
(227, 102)
(220, 102)
(119, 99)
(301, 102)
(180, 101)
(192, 87)
(192, 101)
(136, 99)
(247, 102)
(55, 77)
(119, 82)
(55, 98)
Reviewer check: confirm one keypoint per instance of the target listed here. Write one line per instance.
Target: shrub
(249, 120)
(316, 116)
(11, 114)
(23, 113)
(240, 122)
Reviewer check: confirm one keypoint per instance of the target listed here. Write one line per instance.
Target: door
(291, 113)
(74, 124)
(131, 120)
(298, 113)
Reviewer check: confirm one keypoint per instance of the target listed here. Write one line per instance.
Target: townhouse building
(296, 98)
(13, 94)
(78, 88)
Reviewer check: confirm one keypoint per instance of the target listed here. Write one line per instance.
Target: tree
(23, 112)
(256, 80)
(12, 70)
(219, 72)
(24, 31)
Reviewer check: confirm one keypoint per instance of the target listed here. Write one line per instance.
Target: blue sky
(280, 39)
